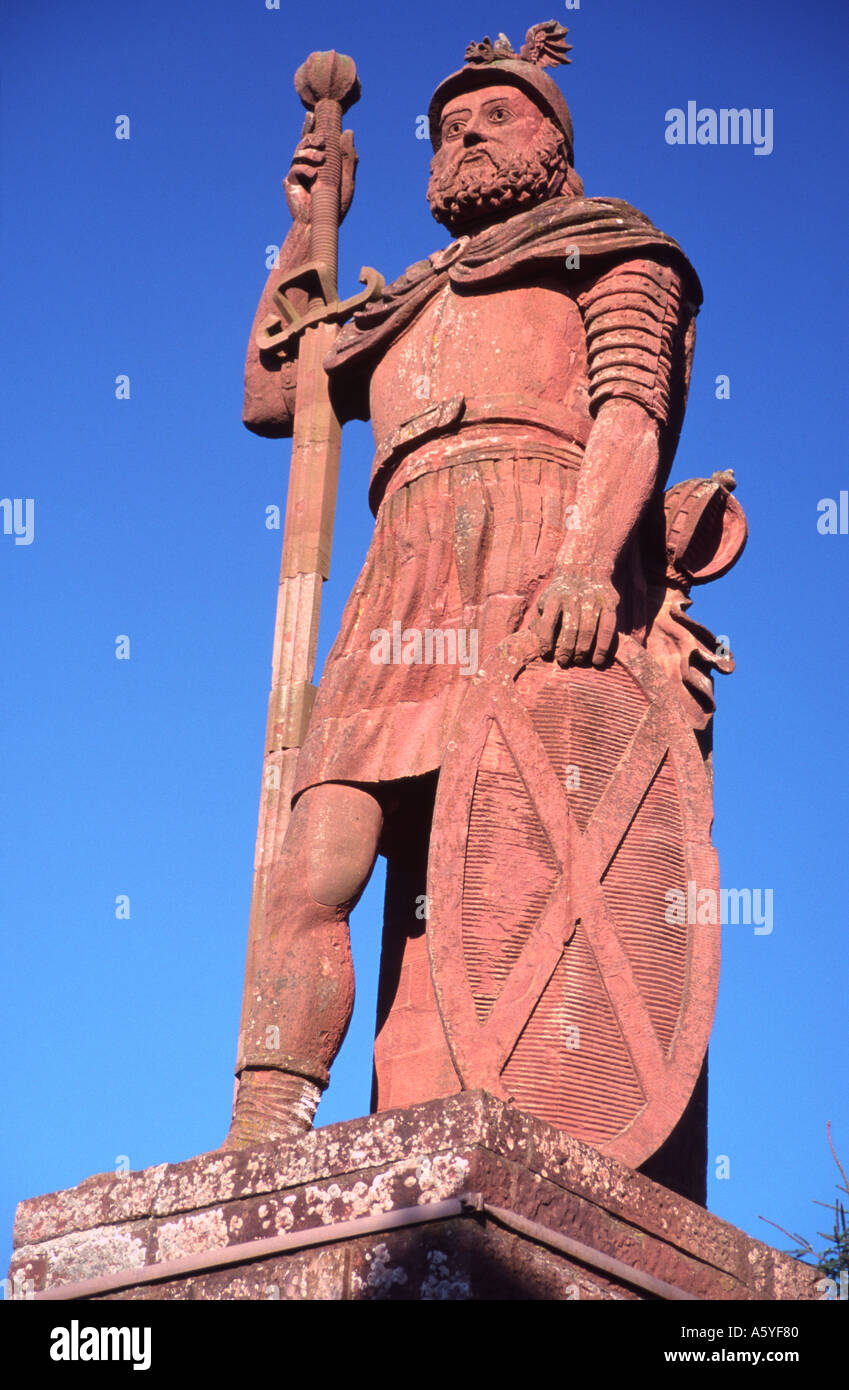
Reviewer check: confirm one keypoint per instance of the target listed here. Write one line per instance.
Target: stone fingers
(545, 626)
(605, 636)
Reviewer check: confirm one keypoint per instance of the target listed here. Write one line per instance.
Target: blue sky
(145, 257)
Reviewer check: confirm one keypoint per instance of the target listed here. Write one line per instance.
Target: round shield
(570, 849)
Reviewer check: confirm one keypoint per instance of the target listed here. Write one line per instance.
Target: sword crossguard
(279, 332)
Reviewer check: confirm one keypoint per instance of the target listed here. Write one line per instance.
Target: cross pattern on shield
(570, 802)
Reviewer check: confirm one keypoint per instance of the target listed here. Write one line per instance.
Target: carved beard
(498, 183)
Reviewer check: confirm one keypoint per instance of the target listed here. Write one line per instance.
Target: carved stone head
(498, 154)
(501, 132)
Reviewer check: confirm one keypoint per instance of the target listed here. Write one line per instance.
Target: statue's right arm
(269, 404)
(270, 382)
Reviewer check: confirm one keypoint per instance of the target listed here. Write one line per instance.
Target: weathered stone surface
(391, 1162)
(519, 631)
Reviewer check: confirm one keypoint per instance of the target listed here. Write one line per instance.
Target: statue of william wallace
(516, 711)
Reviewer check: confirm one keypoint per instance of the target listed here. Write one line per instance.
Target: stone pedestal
(459, 1198)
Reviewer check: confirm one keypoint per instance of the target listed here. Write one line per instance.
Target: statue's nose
(472, 136)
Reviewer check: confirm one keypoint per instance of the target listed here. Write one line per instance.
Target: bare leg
(302, 992)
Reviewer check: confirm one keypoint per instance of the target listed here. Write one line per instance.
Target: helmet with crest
(488, 63)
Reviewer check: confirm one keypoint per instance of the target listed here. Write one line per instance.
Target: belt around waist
(567, 435)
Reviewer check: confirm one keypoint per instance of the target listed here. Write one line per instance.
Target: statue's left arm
(633, 322)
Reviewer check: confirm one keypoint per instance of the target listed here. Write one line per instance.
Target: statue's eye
(453, 128)
(499, 114)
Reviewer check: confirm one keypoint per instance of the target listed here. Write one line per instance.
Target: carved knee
(344, 825)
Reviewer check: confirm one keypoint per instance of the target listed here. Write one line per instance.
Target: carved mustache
(476, 152)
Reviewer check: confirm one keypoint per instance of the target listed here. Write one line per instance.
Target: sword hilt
(328, 85)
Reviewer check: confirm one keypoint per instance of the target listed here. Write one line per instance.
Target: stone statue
(516, 710)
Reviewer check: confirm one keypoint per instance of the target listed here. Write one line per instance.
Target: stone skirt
(462, 544)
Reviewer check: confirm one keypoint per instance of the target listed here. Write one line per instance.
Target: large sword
(327, 84)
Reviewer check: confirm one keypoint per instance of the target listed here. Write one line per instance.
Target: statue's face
(492, 118)
(499, 154)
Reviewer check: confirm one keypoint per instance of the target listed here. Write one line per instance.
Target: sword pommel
(328, 77)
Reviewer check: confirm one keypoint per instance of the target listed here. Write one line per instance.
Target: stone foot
(271, 1106)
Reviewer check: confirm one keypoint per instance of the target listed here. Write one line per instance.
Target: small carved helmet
(706, 529)
(487, 63)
